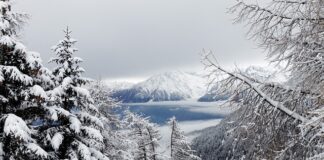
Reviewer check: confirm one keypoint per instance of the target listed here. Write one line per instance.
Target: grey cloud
(119, 38)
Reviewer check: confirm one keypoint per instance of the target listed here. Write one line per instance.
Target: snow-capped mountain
(168, 86)
(179, 85)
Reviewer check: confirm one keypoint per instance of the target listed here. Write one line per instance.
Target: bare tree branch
(210, 62)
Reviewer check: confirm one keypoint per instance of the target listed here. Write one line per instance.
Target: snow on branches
(22, 78)
(210, 62)
(77, 129)
(292, 32)
(68, 64)
(146, 137)
(16, 128)
(179, 145)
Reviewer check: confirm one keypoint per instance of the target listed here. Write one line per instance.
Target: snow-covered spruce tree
(282, 120)
(115, 136)
(146, 136)
(179, 145)
(22, 83)
(74, 129)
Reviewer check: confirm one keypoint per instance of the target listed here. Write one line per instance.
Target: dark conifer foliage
(22, 83)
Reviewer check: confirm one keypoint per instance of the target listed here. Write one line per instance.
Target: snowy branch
(210, 62)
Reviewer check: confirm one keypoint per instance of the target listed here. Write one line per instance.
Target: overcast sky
(137, 38)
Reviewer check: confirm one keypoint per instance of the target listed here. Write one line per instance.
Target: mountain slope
(169, 86)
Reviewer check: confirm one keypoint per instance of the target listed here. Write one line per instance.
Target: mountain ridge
(179, 85)
(167, 86)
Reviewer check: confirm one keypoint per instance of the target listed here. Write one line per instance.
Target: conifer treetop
(68, 65)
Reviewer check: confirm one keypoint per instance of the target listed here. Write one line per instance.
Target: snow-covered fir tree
(146, 136)
(74, 127)
(22, 83)
(179, 145)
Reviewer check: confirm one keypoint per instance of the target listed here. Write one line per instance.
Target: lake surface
(160, 112)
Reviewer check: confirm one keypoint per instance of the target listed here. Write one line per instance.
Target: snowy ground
(189, 127)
